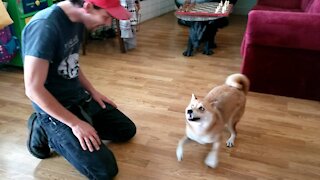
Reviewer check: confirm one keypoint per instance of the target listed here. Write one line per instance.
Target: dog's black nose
(189, 111)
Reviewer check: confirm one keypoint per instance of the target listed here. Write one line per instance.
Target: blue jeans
(110, 123)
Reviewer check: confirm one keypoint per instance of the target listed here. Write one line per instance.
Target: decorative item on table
(5, 19)
(34, 5)
(211, 9)
(9, 45)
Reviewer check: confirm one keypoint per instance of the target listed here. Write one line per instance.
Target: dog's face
(196, 111)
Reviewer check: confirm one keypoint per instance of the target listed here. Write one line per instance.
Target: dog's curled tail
(238, 81)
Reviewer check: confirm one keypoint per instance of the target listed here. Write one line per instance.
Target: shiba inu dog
(223, 106)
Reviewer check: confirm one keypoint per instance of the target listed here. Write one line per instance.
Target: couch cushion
(296, 30)
(309, 6)
(313, 7)
(284, 4)
(272, 8)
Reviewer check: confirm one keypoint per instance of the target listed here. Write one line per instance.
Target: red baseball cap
(113, 7)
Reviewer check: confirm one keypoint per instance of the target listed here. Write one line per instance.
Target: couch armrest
(287, 4)
(283, 29)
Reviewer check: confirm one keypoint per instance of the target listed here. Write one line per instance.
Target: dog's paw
(214, 46)
(230, 142)
(207, 52)
(211, 161)
(179, 153)
(187, 53)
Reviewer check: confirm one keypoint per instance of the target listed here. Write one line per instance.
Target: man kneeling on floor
(71, 117)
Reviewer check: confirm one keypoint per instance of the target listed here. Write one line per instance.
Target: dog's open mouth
(194, 119)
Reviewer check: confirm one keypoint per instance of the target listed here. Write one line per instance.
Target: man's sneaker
(37, 140)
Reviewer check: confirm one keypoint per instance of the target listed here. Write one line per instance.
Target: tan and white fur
(205, 119)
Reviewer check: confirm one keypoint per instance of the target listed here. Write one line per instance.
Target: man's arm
(35, 74)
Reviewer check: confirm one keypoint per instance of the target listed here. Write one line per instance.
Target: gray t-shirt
(50, 35)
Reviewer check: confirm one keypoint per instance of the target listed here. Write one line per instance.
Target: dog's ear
(214, 103)
(193, 97)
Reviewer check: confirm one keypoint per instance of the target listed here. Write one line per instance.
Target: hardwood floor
(278, 137)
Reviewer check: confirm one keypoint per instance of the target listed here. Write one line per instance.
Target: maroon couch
(281, 48)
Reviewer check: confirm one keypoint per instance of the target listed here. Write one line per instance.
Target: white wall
(154, 8)
(242, 7)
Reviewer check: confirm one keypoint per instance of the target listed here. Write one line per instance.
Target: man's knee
(103, 174)
(132, 132)
(106, 174)
(102, 165)
(127, 134)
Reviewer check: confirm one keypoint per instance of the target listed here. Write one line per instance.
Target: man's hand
(100, 98)
(87, 136)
